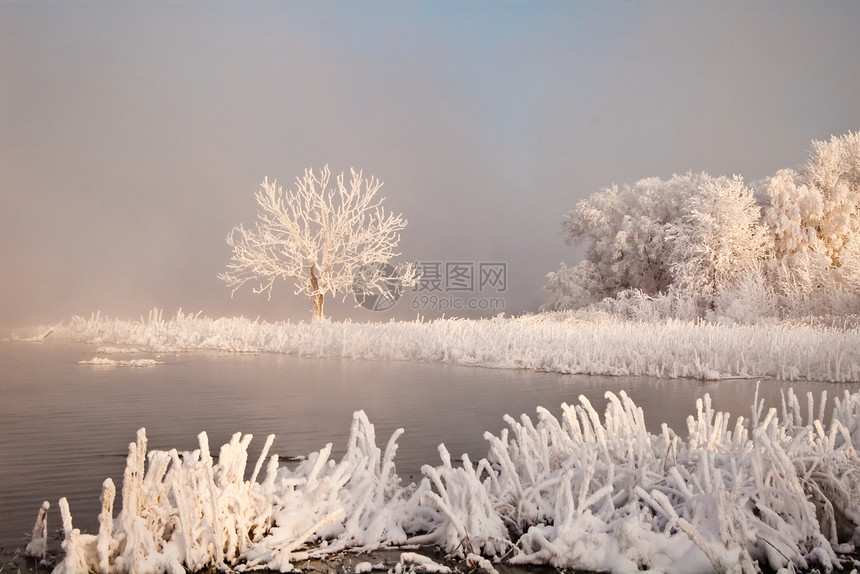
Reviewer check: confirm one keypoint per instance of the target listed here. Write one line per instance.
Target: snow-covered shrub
(777, 490)
(751, 297)
(185, 511)
(634, 305)
(573, 287)
(813, 216)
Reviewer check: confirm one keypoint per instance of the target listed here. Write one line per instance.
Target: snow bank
(558, 342)
(104, 361)
(777, 490)
(117, 350)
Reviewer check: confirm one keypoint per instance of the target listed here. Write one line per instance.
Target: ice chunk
(423, 563)
(104, 361)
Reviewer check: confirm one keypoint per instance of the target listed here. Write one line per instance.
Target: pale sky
(134, 134)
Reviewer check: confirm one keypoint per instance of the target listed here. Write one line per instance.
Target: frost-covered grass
(777, 490)
(592, 343)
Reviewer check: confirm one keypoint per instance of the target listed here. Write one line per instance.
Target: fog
(134, 134)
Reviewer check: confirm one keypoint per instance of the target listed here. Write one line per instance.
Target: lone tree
(321, 237)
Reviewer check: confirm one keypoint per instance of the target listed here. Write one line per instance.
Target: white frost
(574, 343)
(38, 545)
(423, 563)
(777, 490)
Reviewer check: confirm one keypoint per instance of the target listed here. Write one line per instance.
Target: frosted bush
(183, 510)
(750, 297)
(573, 287)
(636, 305)
(776, 490)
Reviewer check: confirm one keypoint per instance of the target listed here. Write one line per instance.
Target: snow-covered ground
(779, 489)
(585, 343)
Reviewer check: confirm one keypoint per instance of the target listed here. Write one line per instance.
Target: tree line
(702, 246)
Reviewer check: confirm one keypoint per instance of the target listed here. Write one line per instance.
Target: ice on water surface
(106, 362)
(776, 490)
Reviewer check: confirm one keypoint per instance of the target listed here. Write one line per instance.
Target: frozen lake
(65, 427)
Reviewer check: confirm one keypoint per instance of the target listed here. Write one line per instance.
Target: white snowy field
(592, 343)
(778, 491)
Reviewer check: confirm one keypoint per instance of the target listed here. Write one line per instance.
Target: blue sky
(134, 134)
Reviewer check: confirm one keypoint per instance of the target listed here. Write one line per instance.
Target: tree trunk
(316, 295)
(712, 305)
(318, 306)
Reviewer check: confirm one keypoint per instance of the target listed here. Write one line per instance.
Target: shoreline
(565, 343)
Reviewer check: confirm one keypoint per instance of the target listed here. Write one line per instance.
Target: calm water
(65, 427)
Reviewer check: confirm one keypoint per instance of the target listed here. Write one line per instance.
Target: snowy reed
(556, 342)
(779, 489)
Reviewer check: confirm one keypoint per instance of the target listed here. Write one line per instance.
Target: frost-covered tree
(689, 234)
(834, 170)
(317, 235)
(817, 209)
(696, 238)
(813, 217)
(627, 229)
(792, 211)
(718, 240)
